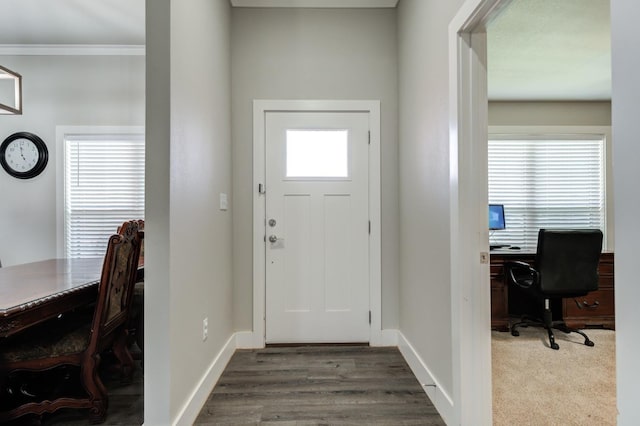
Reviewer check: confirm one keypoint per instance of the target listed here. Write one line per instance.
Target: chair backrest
(118, 278)
(141, 229)
(567, 261)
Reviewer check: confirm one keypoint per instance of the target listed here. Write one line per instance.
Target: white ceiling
(550, 50)
(108, 22)
(537, 49)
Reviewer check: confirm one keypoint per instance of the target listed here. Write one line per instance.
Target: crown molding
(316, 3)
(71, 50)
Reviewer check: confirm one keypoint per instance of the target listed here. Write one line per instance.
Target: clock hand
(22, 154)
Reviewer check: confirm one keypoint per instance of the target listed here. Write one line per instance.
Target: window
(318, 153)
(103, 187)
(546, 182)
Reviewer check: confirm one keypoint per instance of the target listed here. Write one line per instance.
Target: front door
(317, 227)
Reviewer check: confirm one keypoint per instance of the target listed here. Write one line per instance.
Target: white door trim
(260, 108)
(470, 289)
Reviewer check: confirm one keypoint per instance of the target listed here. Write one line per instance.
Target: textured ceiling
(550, 50)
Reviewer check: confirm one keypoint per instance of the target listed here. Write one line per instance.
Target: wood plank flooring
(310, 385)
(283, 386)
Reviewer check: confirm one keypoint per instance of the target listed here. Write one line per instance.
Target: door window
(317, 154)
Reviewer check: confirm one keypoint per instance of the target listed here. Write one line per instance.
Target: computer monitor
(496, 217)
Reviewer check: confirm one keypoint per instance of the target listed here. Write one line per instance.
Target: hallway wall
(188, 245)
(425, 295)
(312, 54)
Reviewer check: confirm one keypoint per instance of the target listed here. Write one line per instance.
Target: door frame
(260, 109)
(469, 236)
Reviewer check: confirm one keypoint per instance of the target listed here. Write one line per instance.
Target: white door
(317, 227)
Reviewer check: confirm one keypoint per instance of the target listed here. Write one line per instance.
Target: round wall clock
(23, 155)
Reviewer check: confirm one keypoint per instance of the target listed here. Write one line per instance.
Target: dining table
(34, 292)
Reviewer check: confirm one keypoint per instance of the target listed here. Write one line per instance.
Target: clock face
(23, 155)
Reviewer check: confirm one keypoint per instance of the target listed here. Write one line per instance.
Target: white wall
(312, 54)
(626, 151)
(59, 90)
(425, 296)
(188, 249)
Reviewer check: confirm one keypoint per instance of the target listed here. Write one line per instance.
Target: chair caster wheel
(589, 343)
(555, 346)
(515, 333)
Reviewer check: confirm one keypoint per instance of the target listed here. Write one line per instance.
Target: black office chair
(566, 265)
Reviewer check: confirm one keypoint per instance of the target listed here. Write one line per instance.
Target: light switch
(224, 202)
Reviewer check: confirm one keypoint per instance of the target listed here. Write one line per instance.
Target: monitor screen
(496, 216)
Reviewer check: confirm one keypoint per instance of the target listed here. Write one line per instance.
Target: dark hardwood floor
(311, 385)
(126, 404)
(305, 385)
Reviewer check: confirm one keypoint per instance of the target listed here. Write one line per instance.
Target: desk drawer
(496, 272)
(594, 309)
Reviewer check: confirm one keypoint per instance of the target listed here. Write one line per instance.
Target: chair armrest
(522, 274)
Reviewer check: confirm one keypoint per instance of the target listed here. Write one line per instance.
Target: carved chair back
(119, 273)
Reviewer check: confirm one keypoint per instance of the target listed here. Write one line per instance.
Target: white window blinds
(104, 186)
(546, 182)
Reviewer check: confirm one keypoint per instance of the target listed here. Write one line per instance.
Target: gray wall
(59, 90)
(425, 296)
(549, 113)
(188, 250)
(312, 54)
(626, 151)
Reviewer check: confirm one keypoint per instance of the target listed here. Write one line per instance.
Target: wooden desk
(596, 309)
(34, 292)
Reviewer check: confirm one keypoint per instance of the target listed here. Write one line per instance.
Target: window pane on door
(317, 153)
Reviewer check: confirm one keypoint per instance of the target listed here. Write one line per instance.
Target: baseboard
(196, 401)
(248, 340)
(440, 399)
(386, 337)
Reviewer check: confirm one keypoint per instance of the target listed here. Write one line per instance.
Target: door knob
(273, 238)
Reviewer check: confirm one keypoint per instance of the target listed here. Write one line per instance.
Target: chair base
(548, 325)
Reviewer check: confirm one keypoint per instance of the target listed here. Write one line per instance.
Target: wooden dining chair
(136, 321)
(72, 345)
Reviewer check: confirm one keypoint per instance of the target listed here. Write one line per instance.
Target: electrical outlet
(205, 329)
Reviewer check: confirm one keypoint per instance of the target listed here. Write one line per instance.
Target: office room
(199, 255)
(549, 84)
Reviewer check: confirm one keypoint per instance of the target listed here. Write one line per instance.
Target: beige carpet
(535, 385)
